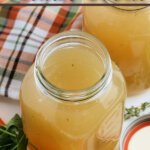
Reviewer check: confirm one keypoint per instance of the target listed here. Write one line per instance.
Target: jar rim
(129, 8)
(72, 95)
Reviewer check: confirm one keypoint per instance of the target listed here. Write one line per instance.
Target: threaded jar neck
(72, 38)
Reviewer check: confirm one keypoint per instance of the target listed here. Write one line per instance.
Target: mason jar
(72, 98)
(125, 32)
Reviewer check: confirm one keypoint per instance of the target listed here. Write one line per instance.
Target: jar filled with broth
(125, 32)
(72, 98)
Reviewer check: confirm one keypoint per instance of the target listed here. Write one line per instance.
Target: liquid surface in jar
(73, 68)
(140, 140)
(125, 33)
(88, 125)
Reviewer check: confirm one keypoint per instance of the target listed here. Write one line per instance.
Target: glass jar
(125, 32)
(72, 98)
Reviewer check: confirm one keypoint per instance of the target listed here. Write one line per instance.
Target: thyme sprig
(135, 111)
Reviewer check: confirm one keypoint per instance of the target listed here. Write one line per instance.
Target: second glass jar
(126, 34)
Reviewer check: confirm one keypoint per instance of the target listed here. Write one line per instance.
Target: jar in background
(72, 98)
(126, 34)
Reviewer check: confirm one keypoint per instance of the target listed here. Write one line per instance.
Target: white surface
(8, 108)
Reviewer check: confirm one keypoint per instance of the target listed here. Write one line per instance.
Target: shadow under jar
(125, 31)
(72, 98)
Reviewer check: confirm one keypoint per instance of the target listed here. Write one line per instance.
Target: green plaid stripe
(3, 17)
(71, 14)
(17, 76)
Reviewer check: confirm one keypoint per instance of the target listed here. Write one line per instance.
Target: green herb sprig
(12, 136)
(135, 111)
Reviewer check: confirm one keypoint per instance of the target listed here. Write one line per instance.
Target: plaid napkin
(22, 32)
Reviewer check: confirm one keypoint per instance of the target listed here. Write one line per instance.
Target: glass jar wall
(126, 34)
(72, 98)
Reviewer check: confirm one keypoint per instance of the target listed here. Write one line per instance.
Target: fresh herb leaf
(135, 111)
(23, 142)
(12, 136)
(15, 122)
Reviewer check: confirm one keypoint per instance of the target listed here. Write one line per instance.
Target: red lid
(132, 132)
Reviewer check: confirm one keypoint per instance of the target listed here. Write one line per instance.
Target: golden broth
(91, 124)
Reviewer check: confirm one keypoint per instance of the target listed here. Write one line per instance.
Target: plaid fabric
(22, 31)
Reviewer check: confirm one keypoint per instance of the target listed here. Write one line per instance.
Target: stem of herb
(33, 146)
(4, 131)
(135, 111)
(14, 148)
(5, 145)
